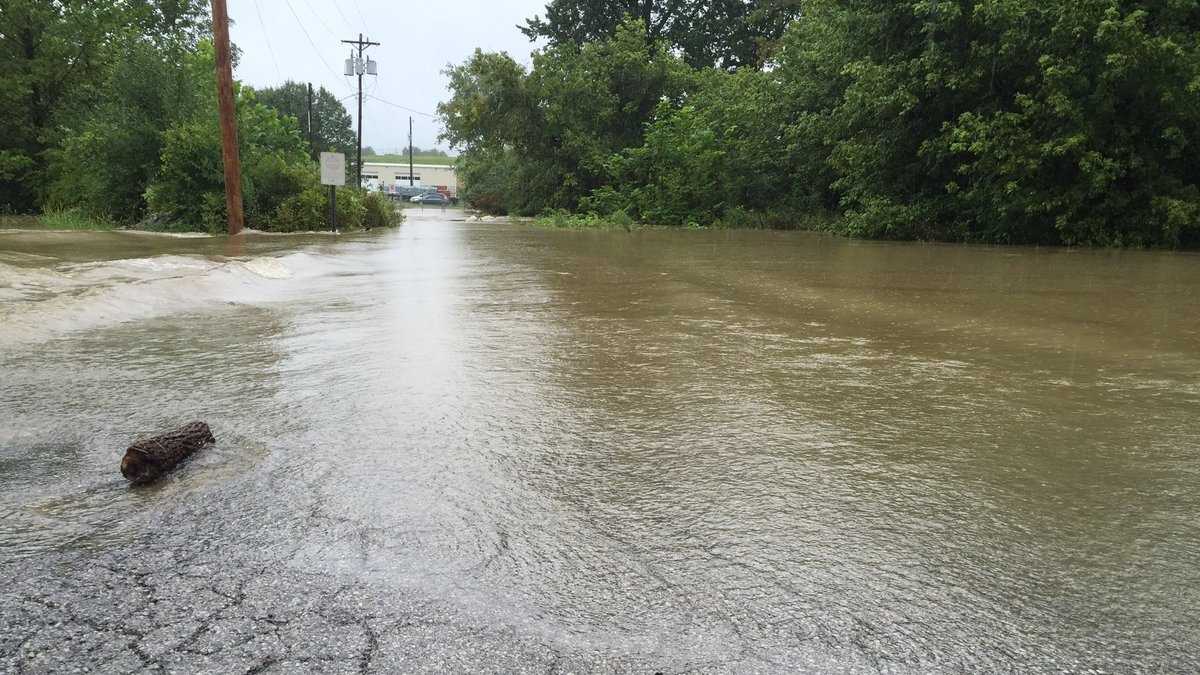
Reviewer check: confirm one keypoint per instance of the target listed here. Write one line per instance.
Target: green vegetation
(725, 33)
(966, 120)
(57, 220)
(332, 125)
(733, 219)
(440, 160)
(565, 220)
(107, 118)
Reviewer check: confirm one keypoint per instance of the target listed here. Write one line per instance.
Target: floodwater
(713, 450)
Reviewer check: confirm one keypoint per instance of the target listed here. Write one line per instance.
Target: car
(406, 192)
(434, 198)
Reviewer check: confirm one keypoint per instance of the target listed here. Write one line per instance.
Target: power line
(397, 105)
(337, 6)
(310, 40)
(319, 19)
(360, 14)
(267, 38)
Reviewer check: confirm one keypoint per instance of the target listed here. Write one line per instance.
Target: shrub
(380, 212)
(302, 212)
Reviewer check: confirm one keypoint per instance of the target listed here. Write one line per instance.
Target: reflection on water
(813, 451)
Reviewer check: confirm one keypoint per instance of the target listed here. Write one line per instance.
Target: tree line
(109, 109)
(1008, 121)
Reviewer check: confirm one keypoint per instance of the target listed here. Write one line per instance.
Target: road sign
(333, 168)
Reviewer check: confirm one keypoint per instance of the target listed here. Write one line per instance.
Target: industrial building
(444, 178)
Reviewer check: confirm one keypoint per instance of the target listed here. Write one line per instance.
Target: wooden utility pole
(229, 137)
(411, 180)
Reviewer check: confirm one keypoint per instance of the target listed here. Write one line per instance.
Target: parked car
(432, 198)
(406, 192)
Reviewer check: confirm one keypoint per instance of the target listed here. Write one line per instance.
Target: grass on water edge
(70, 220)
(736, 219)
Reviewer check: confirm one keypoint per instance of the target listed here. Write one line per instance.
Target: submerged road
(485, 447)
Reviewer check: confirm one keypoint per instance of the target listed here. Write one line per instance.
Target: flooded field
(487, 446)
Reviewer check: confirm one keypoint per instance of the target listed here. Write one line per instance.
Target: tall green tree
(1007, 121)
(60, 61)
(566, 117)
(332, 127)
(1015, 122)
(50, 53)
(110, 150)
(724, 33)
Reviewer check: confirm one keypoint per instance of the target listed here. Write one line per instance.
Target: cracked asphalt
(157, 613)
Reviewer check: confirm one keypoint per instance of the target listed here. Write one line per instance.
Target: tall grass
(71, 219)
(565, 220)
(733, 219)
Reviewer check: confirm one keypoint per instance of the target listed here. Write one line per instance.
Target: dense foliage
(543, 139)
(724, 33)
(108, 110)
(972, 120)
(332, 127)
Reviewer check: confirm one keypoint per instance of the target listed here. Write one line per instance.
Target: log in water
(147, 460)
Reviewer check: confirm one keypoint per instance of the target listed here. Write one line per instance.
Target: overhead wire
(310, 40)
(358, 7)
(342, 14)
(397, 105)
(267, 39)
(319, 19)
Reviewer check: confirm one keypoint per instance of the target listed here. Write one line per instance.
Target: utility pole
(360, 68)
(411, 180)
(312, 137)
(229, 136)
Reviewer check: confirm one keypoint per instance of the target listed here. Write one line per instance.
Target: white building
(442, 177)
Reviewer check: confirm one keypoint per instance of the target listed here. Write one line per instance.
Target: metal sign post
(333, 174)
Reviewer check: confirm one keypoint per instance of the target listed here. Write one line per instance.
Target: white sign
(333, 168)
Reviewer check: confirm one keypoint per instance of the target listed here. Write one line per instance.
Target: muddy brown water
(822, 453)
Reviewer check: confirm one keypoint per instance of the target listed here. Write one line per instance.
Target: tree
(59, 61)
(565, 118)
(727, 147)
(332, 125)
(1018, 122)
(723, 33)
(50, 52)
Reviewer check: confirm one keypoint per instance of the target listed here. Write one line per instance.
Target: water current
(730, 450)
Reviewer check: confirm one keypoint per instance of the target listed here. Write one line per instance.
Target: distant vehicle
(406, 193)
(434, 198)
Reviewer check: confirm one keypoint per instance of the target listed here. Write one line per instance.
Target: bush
(309, 210)
(380, 212)
(306, 211)
(561, 219)
(270, 181)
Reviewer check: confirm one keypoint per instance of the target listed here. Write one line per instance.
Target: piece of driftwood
(147, 460)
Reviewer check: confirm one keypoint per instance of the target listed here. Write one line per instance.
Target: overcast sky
(418, 40)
